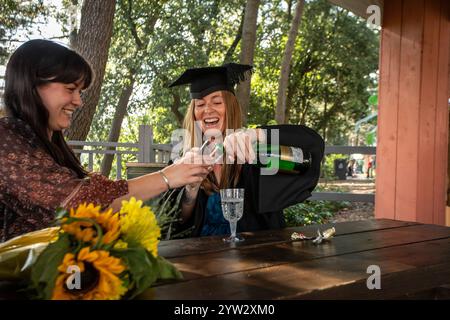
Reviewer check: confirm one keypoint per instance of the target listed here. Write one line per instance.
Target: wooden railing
(144, 149)
(346, 196)
(148, 152)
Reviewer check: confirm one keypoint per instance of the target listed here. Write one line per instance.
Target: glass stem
(233, 228)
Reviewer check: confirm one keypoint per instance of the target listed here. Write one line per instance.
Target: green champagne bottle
(286, 159)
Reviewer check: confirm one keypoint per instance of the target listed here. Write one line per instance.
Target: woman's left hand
(239, 145)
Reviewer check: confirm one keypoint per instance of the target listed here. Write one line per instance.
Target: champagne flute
(232, 201)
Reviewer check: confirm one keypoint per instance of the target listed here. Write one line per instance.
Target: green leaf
(60, 213)
(142, 267)
(370, 138)
(45, 270)
(373, 100)
(167, 270)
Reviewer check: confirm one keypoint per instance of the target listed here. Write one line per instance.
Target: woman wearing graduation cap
(214, 112)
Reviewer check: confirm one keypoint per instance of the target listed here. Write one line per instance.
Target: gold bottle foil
(329, 233)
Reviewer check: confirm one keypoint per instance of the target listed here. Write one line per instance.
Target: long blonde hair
(233, 120)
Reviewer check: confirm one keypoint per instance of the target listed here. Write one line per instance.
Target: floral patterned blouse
(33, 185)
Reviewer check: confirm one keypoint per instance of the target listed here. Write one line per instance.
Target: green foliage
(312, 212)
(145, 269)
(332, 76)
(17, 15)
(166, 270)
(370, 138)
(334, 61)
(166, 208)
(141, 266)
(330, 79)
(327, 169)
(373, 100)
(45, 270)
(184, 34)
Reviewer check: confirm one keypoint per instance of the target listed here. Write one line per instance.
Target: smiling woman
(61, 100)
(39, 172)
(214, 115)
(210, 110)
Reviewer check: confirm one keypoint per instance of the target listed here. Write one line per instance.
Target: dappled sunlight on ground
(356, 210)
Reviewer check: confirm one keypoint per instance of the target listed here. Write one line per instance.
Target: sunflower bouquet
(92, 254)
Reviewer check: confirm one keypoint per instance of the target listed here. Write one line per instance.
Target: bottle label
(297, 154)
(291, 154)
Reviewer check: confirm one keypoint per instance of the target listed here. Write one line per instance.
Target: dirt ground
(357, 210)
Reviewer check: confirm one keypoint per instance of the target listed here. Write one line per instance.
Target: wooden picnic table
(414, 260)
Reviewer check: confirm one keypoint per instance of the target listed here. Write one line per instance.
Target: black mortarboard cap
(203, 81)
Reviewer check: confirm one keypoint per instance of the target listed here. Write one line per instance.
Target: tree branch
(131, 24)
(238, 38)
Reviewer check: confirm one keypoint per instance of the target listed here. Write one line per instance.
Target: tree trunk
(247, 52)
(73, 22)
(286, 64)
(93, 40)
(116, 125)
(289, 9)
(287, 111)
(305, 109)
(124, 98)
(175, 108)
(325, 124)
(328, 113)
(238, 38)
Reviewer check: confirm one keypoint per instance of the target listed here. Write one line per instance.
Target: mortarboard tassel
(237, 72)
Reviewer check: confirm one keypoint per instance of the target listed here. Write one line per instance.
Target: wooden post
(91, 162)
(146, 152)
(119, 166)
(413, 111)
(447, 219)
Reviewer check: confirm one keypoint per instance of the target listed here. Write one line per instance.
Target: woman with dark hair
(38, 170)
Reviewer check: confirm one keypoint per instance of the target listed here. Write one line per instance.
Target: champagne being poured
(286, 159)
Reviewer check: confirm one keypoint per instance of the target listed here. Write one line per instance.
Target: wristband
(165, 179)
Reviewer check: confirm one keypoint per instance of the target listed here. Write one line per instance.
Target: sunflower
(86, 231)
(99, 277)
(138, 226)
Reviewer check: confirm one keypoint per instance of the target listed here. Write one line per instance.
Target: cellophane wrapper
(18, 255)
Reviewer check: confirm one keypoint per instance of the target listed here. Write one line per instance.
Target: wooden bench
(137, 169)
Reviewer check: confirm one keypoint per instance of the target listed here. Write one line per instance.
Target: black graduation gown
(267, 195)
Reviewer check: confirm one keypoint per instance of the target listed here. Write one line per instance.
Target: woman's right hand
(189, 170)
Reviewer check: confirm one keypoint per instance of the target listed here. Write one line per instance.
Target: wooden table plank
(394, 285)
(201, 245)
(245, 258)
(431, 269)
(313, 278)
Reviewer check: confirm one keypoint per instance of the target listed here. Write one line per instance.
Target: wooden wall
(413, 123)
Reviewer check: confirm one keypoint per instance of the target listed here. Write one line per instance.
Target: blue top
(215, 223)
